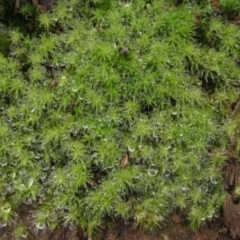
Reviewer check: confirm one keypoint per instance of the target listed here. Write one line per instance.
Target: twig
(50, 236)
(236, 109)
(63, 234)
(17, 4)
(232, 155)
(233, 140)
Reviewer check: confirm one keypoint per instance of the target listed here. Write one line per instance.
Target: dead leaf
(197, 17)
(176, 218)
(39, 7)
(215, 4)
(53, 84)
(125, 161)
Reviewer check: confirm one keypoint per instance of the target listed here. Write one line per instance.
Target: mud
(227, 227)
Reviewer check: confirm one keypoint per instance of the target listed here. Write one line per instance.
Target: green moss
(94, 82)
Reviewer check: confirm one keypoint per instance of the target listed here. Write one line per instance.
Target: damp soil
(227, 227)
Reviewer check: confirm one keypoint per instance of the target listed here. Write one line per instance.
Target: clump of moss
(95, 83)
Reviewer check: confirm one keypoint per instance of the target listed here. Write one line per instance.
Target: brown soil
(225, 228)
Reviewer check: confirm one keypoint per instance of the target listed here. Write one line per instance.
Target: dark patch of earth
(226, 227)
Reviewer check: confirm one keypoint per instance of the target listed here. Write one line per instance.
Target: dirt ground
(225, 228)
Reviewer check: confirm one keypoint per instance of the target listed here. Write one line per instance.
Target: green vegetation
(91, 81)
